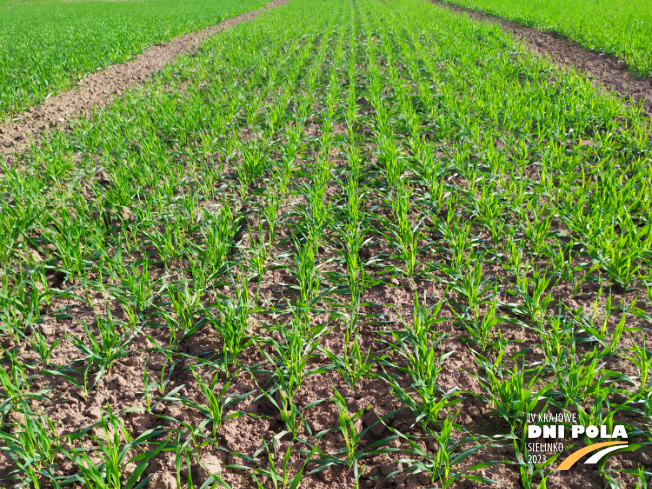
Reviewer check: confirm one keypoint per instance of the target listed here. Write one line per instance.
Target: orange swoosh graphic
(575, 456)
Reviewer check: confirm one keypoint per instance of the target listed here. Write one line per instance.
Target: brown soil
(605, 69)
(97, 89)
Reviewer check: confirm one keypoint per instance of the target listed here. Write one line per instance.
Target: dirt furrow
(606, 69)
(98, 89)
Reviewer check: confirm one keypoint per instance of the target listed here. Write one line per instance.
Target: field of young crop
(622, 28)
(349, 244)
(48, 46)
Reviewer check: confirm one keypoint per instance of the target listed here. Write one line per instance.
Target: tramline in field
(347, 244)
(619, 28)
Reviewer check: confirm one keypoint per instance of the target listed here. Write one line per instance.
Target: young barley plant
(417, 346)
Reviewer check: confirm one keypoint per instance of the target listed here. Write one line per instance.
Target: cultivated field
(622, 28)
(347, 244)
(49, 46)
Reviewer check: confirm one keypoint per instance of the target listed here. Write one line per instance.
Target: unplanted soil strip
(606, 69)
(97, 89)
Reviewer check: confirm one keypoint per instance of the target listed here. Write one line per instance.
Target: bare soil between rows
(606, 69)
(98, 89)
(123, 386)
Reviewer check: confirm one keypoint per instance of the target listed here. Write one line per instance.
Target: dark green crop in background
(47, 46)
(619, 27)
